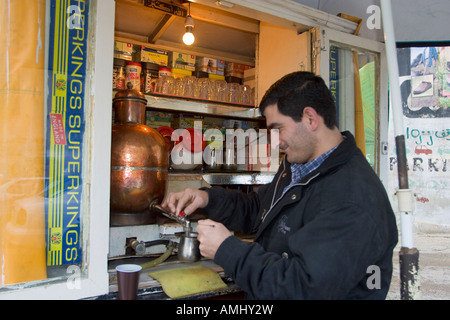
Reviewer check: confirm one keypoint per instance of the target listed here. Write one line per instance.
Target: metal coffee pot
(188, 248)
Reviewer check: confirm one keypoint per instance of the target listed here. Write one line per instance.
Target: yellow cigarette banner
(22, 92)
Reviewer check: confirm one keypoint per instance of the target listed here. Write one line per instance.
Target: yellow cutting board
(187, 281)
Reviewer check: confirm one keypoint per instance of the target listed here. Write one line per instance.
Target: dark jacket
(331, 236)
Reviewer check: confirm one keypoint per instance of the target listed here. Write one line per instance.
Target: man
(324, 227)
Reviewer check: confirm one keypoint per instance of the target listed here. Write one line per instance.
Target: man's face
(295, 139)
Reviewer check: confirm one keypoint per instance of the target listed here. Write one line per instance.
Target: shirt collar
(299, 170)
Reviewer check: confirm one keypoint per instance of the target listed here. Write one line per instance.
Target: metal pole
(408, 256)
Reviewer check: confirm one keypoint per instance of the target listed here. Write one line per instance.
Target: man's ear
(311, 118)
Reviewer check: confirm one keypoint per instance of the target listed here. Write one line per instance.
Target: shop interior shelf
(170, 103)
(225, 178)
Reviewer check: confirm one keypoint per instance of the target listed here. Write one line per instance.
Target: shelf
(168, 103)
(185, 176)
(225, 178)
(238, 178)
(203, 107)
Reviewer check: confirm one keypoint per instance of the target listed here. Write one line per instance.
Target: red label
(58, 128)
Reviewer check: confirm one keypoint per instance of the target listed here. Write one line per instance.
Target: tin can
(164, 71)
(149, 76)
(133, 70)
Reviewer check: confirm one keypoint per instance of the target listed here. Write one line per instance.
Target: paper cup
(128, 280)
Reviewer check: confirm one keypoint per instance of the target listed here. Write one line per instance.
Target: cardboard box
(215, 77)
(147, 54)
(211, 66)
(123, 47)
(250, 83)
(200, 74)
(208, 65)
(155, 119)
(234, 69)
(249, 78)
(180, 60)
(123, 50)
(185, 121)
(158, 116)
(249, 74)
(157, 124)
(122, 56)
(180, 73)
(220, 68)
(231, 79)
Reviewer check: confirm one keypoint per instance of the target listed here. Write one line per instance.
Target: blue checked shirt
(299, 170)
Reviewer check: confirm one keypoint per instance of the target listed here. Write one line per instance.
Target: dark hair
(297, 90)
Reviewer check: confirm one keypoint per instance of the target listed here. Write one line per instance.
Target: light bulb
(188, 38)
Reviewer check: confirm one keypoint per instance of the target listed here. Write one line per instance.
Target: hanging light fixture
(188, 37)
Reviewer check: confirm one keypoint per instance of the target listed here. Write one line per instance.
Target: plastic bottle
(119, 74)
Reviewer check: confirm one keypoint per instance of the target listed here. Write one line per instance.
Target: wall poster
(425, 90)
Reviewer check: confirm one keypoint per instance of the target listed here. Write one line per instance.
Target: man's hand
(188, 200)
(211, 234)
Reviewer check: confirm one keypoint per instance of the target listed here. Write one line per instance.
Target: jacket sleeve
(236, 210)
(325, 263)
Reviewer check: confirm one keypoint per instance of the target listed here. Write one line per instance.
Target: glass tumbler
(204, 89)
(165, 85)
(220, 90)
(234, 93)
(247, 94)
(190, 85)
(179, 86)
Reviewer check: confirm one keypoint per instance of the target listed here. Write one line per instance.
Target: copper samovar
(139, 162)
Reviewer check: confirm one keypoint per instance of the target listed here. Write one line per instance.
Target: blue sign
(334, 78)
(66, 119)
